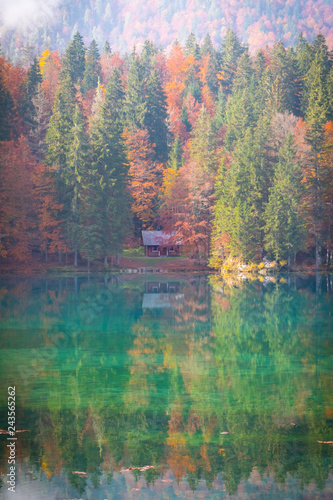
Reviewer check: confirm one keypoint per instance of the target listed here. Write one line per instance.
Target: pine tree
(109, 163)
(156, 116)
(231, 52)
(31, 88)
(286, 79)
(61, 122)
(92, 69)
(175, 160)
(207, 46)
(74, 59)
(78, 161)
(192, 47)
(58, 140)
(135, 104)
(106, 48)
(283, 224)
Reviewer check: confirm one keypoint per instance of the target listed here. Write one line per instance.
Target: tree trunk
(288, 263)
(60, 259)
(75, 256)
(46, 256)
(106, 260)
(117, 258)
(88, 266)
(66, 257)
(317, 255)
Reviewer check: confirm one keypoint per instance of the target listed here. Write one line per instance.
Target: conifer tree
(192, 47)
(231, 52)
(78, 161)
(175, 160)
(283, 224)
(74, 59)
(135, 104)
(110, 165)
(106, 48)
(61, 122)
(31, 88)
(92, 69)
(156, 116)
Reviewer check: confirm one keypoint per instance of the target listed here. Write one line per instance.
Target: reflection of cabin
(159, 243)
(161, 295)
(157, 287)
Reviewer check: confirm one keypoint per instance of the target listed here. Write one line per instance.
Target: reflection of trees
(126, 388)
(273, 380)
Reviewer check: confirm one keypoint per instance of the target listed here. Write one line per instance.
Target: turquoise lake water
(168, 387)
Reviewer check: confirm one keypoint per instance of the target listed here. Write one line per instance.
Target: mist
(21, 13)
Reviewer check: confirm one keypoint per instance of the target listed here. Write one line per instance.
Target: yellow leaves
(176, 439)
(46, 54)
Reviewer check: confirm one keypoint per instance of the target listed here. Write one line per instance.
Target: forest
(231, 151)
(124, 23)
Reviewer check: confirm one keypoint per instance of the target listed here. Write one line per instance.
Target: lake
(167, 387)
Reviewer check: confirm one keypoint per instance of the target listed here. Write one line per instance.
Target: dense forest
(41, 24)
(232, 151)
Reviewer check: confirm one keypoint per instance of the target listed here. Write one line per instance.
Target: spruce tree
(74, 59)
(231, 52)
(92, 69)
(135, 104)
(175, 160)
(110, 164)
(283, 224)
(31, 88)
(192, 47)
(78, 162)
(155, 118)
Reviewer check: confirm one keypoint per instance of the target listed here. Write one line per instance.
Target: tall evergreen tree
(31, 88)
(61, 123)
(110, 164)
(58, 140)
(74, 59)
(135, 104)
(175, 160)
(231, 52)
(155, 119)
(283, 224)
(78, 161)
(192, 47)
(92, 69)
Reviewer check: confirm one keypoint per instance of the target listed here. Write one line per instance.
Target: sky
(16, 13)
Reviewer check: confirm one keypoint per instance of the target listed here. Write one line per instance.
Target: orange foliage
(178, 67)
(145, 177)
(49, 223)
(108, 63)
(50, 68)
(16, 199)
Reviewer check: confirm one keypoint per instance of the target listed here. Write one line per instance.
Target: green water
(219, 390)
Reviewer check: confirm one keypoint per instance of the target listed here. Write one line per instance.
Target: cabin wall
(158, 251)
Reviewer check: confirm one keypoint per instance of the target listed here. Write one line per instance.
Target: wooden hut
(158, 243)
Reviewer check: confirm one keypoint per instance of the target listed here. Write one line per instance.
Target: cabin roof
(153, 238)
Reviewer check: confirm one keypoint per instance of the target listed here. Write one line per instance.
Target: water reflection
(157, 389)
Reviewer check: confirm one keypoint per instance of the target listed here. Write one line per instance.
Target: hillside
(123, 23)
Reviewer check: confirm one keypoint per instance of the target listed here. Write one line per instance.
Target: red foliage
(145, 177)
(16, 200)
